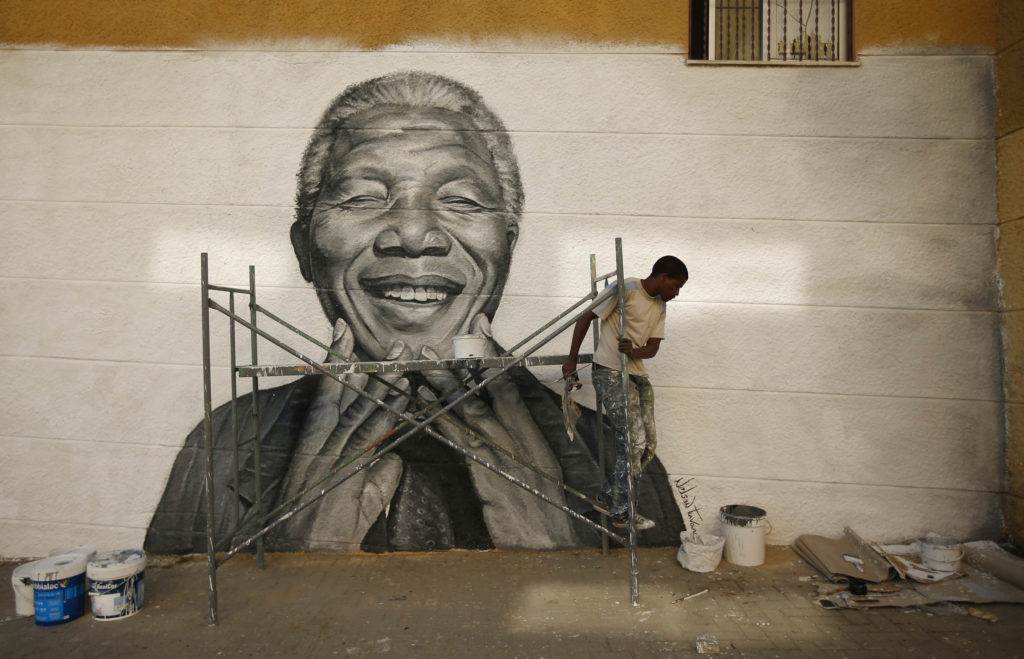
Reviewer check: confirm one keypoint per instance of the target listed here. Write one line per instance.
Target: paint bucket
(58, 588)
(745, 528)
(21, 581)
(941, 554)
(469, 345)
(117, 583)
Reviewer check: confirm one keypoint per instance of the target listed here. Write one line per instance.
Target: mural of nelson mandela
(407, 216)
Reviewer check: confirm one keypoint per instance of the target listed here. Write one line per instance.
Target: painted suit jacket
(435, 505)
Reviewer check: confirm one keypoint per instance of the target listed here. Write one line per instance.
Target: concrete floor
(503, 604)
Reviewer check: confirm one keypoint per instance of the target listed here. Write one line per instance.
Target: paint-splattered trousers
(635, 434)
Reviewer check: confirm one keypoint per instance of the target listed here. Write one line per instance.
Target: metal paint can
(744, 528)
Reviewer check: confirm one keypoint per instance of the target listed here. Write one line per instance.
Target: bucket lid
(55, 568)
(84, 550)
(469, 341)
(23, 573)
(117, 564)
(741, 514)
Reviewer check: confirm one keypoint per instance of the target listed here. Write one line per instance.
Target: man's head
(668, 275)
(407, 210)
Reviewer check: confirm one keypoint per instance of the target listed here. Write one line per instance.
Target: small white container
(941, 554)
(117, 583)
(469, 345)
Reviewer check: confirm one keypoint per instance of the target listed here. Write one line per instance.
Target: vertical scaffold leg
(634, 571)
(257, 452)
(211, 553)
(598, 412)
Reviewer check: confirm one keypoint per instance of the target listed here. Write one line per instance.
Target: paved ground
(503, 604)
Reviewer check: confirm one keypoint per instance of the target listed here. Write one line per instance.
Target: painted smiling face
(409, 238)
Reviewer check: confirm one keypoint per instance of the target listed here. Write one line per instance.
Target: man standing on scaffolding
(635, 435)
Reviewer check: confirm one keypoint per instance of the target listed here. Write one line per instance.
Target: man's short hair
(412, 89)
(671, 266)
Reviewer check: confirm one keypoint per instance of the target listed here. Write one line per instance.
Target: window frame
(702, 45)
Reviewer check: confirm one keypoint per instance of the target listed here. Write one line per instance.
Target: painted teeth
(417, 293)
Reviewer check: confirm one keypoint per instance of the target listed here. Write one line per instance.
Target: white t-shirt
(645, 319)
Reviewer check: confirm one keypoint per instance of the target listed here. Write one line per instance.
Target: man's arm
(578, 334)
(645, 352)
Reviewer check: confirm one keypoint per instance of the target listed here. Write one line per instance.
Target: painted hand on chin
(342, 426)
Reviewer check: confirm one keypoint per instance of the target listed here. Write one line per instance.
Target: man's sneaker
(642, 523)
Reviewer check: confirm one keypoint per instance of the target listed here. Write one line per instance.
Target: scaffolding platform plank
(343, 368)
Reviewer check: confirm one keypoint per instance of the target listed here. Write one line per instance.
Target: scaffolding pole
(599, 425)
(211, 554)
(634, 571)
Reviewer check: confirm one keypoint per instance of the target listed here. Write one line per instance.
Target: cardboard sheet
(841, 559)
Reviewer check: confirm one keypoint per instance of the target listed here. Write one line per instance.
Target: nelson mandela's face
(409, 238)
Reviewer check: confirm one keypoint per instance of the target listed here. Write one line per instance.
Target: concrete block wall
(835, 358)
(1010, 151)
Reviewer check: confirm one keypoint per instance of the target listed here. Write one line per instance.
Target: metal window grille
(771, 30)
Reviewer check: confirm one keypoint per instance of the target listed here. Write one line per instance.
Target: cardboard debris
(975, 587)
(845, 558)
(854, 565)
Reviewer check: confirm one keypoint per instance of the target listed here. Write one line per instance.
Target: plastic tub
(58, 588)
(117, 583)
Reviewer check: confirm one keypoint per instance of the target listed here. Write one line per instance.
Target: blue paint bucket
(117, 582)
(58, 588)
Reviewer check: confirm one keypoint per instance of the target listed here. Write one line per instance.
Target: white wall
(834, 358)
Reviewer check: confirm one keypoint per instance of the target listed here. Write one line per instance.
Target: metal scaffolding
(425, 412)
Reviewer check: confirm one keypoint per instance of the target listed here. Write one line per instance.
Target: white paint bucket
(469, 345)
(117, 583)
(745, 528)
(941, 554)
(58, 588)
(21, 581)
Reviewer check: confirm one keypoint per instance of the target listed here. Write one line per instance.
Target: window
(770, 30)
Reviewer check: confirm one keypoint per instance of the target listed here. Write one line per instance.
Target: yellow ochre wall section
(1010, 154)
(191, 23)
